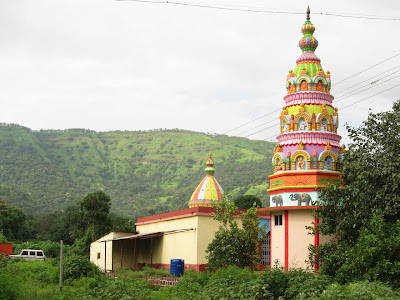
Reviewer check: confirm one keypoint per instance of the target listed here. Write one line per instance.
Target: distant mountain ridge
(144, 172)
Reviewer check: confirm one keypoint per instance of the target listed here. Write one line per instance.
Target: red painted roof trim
(189, 212)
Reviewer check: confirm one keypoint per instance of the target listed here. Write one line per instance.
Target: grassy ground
(39, 280)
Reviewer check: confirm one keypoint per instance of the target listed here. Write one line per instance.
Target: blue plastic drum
(177, 267)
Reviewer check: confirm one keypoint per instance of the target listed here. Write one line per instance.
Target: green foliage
(247, 201)
(145, 271)
(233, 246)
(96, 207)
(51, 249)
(12, 222)
(44, 172)
(43, 271)
(9, 287)
(3, 260)
(364, 213)
(76, 266)
(374, 256)
(274, 282)
(3, 239)
(302, 284)
(358, 290)
(39, 280)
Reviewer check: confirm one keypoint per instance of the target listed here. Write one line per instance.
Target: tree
(69, 226)
(247, 201)
(12, 222)
(95, 208)
(234, 246)
(370, 192)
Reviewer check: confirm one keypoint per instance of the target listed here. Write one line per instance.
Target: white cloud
(106, 65)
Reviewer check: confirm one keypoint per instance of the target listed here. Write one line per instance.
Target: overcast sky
(123, 65)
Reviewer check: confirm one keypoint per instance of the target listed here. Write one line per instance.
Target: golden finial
(308, 13)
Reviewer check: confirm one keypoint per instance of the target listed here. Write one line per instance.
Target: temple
(306, 158)
(181, 234)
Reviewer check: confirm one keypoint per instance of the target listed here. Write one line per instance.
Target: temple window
(278, 220)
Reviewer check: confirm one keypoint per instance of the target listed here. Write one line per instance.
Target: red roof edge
(188, 212)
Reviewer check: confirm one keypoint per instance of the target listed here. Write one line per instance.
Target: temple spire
(208, 192)
(308, 13)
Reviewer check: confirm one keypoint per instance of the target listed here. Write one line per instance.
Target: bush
(9, 287)
(76, 266)
(374, 255)
(305, 284)
(3, 260)
(274, 282)
(43, 271)
(358, 290)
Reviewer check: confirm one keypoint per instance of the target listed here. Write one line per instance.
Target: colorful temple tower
(307, 156)
(208, 192)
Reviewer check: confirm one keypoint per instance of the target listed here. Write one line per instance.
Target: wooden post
(134, 256)
(105, 256)
(61, 265)
(122, 253)
(151, 252)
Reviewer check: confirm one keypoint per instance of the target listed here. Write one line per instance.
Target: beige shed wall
(299, 239)
(205, 234)
(181, 245)
(97, 247)
(278, 239)
(123, 254)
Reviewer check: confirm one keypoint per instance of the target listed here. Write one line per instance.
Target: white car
(30, 254)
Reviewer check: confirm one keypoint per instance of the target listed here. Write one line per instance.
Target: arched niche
(301, 160)
(325, 122)
(302, 120)
(278, 161)
(327, 160)
(285, 124)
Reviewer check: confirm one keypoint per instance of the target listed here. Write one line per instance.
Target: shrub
(358, 290)
(76, 266)
(3, 260)
(43, 271)
(305, 284)
(275, 281)
(9, 287)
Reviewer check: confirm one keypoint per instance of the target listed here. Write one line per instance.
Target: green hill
(144, 172)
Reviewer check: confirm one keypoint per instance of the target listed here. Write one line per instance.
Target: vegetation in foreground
(364, 213)
(32, 280)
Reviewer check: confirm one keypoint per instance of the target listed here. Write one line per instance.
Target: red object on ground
(6, 248)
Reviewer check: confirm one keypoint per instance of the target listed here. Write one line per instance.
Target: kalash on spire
(307, 156)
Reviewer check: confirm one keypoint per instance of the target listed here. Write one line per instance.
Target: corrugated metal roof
(148, 235)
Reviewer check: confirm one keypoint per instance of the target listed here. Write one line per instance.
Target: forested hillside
(144, 172)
